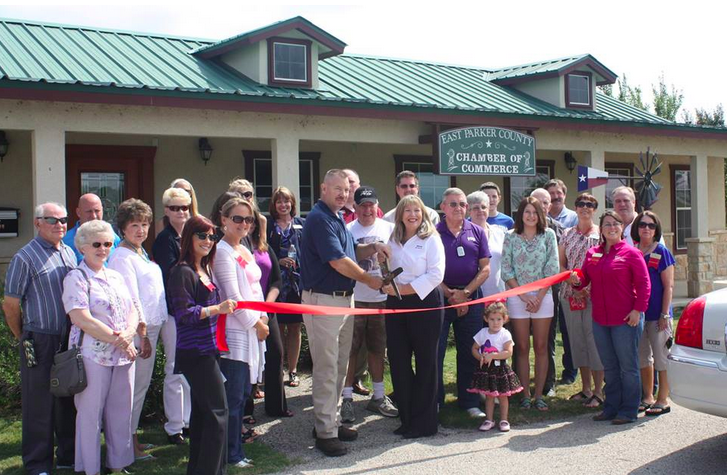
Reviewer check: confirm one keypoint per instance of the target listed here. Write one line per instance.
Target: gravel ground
(683, 442)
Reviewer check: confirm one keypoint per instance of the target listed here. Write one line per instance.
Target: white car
(698, 360)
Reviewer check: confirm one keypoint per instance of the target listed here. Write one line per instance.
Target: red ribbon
(296, 308)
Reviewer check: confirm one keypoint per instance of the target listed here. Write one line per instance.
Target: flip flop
(141, 458)
(657, 410)
(526, 403)
(590, 401)
(644, 406)
(580, 396)
(146, 447)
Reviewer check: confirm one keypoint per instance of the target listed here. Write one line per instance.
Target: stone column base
(700, 265)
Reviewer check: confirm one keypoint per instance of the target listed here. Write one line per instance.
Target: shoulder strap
(88, 282)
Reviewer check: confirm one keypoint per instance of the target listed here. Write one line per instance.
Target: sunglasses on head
(454, 204)
(242, 219)
(174, 209)
(53, 221)
(202, 236)
(247, 194)
(106, 244)
(643, 225)
(586, 204)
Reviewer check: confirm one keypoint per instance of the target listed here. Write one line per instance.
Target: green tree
(606, 89)
(666, 102)
(705, 117)
(631, 95)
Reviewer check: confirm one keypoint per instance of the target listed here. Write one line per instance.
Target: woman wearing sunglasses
(195, 303)
(166, 254)
(238, 276)
(181, 184)
(653, 350)
(576, 304)
(104, 325)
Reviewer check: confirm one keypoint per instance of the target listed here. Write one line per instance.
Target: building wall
(16, 177)
(549, 90)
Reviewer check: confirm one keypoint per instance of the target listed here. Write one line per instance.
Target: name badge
(297, 226)
(654, 260)
(242, 262)
(596, 257)
(497, 362)
(210, 286)
(460, 251)
(471, 238)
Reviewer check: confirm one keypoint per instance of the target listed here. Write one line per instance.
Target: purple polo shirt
(461, 269)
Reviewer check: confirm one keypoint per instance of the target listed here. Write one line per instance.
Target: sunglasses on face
(643, 225)
(174, 209)
(242, 219)
(54, 221)
(454, 204)
(247, 194)
(405, 186)
(202, 236)
(106, 244)
(586, 204)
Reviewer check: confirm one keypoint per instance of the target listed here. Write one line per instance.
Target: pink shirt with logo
(620, 282)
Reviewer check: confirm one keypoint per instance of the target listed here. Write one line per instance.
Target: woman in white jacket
(238, 277)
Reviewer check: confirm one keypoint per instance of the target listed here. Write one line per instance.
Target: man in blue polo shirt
(558, 210)
(35, 315)
(329, 269)
(467, 259)
(89, 208)
(494, 216)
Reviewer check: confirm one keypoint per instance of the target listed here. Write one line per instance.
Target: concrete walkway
(683, 442)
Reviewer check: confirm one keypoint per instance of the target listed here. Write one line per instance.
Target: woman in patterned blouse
(576, 304)
(530, 253)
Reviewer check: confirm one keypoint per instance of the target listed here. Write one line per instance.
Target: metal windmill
(647, 190)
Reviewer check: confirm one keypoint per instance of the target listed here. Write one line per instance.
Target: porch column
(286, 169)
(700, 247)
(597, 159)
(49, 165)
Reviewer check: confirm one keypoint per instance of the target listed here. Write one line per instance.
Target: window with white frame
(617, 169)
(259, 170)
(522, 186)
(431, 185)
(579, 89)
(290, 62)
(682, 202)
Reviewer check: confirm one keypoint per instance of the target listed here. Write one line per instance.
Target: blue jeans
(237, 389)
(618, 347)
(465, 328)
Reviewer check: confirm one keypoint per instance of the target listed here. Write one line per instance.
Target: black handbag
(68, 374)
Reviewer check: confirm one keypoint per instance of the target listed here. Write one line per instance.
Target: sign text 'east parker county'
(486, 151)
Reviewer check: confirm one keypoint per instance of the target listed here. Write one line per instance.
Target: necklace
(530, 244)
(139, 250)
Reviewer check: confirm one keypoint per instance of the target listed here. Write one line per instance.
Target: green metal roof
(64, 57)
(548, 66)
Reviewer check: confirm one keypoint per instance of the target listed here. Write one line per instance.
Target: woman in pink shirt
(620, 291)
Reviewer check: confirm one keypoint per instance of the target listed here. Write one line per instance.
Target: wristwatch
(665, 315)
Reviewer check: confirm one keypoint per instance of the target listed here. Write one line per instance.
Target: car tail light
(689, 330)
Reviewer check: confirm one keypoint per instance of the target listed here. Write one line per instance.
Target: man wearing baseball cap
(368, 329)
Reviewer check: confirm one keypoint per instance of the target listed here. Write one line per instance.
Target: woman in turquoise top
(530, 253)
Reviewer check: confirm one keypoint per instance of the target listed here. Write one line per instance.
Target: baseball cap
(365, 194)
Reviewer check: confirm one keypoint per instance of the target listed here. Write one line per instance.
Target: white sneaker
(475, 413)
(242, 464)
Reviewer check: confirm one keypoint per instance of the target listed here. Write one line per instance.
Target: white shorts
(516, 307)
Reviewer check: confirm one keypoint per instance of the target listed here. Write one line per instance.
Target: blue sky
(641, 39)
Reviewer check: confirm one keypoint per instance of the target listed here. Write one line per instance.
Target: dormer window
(578, 90)
(289, 62)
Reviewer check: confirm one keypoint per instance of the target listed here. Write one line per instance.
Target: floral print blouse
(528, 261)
(109, 302)
(576, 245)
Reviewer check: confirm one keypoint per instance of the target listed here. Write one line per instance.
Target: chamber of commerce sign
(486, 151)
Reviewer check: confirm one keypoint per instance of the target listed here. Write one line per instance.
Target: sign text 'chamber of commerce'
(486, 151)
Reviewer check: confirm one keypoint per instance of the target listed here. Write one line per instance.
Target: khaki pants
(329, 338)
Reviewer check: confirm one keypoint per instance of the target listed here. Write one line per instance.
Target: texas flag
(590, 177)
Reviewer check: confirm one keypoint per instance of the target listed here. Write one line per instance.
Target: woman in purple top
(653, 350)
(195, 303)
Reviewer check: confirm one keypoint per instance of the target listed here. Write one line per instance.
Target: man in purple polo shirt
(467, 260)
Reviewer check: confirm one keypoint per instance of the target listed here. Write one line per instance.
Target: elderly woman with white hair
(479, 205)
(104, 321)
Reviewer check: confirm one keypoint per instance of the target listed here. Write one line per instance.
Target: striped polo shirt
(35, 277)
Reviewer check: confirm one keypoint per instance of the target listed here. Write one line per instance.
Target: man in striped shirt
(34, 312)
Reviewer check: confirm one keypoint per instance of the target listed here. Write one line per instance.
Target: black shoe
(412, 434)
(603, 417)
(331, 447)
(401, 430)
(345, 434)
(185, 432)
(566, 381)
(176, 439)
(619, 421)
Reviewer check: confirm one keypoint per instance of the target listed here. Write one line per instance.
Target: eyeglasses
(53, 221)
(174, 209)
(106, 244)
(410, 186)
(585, 204)
(242, 219)
(643, 225)
(479, 208)
(454, 204)
(202, 236)
(247, 194)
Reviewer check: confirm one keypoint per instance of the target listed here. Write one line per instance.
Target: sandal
(294, 381)
(658, 409)
(525, 403)
(249, 420)
(504, 426)
(249, 436)
(487, 425)
(540, 404)
(580, 396)
(591, 400)
(643, 406)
